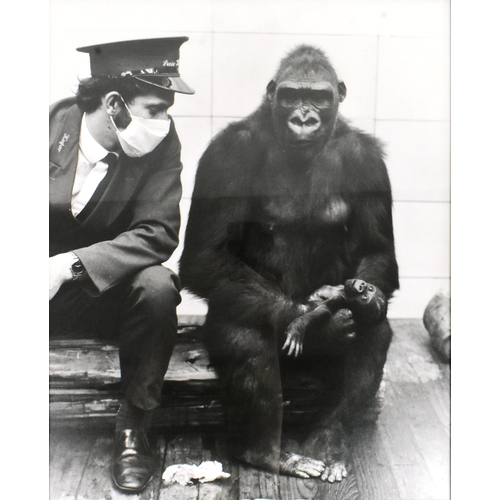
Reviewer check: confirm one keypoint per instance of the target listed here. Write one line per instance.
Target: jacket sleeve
(152, 233)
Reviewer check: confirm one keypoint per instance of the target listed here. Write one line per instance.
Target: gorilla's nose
(302, 126)
(359, 286)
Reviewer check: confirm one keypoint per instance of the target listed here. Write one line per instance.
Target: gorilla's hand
(367, 302)
(342, 324)
(326, 292)
(319, 305)
(295, 334)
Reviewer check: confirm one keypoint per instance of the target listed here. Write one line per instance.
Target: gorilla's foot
(293, 464)
(335, 470)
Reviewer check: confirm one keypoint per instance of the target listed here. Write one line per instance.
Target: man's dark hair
(92, 90)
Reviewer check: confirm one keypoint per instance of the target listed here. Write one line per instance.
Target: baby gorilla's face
(366, 301)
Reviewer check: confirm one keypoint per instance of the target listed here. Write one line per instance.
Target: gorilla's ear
(342, 91)
(270, 89)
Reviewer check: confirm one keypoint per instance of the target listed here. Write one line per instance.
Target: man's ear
(112, 102)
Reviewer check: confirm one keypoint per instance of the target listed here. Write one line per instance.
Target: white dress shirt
(90, 170)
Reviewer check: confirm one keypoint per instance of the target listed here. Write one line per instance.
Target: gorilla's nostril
(310, 122)
(296, 121)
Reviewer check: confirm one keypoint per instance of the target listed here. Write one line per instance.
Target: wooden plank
(374, 474)
(414, 425)
(431, 436)
(378, 471)
(439, 394)
(409, 468)
(347, 489)
(223, 489)
(94, 362)
(70, 452)
(191, 448)
(412, 359)
(292, 488)
(424, 401)
(255, 483)
(194, 403)
(214, 440)
(181, 449)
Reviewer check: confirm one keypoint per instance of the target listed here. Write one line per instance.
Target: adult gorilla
(288, 204)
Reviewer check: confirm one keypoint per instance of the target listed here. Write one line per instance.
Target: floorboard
(70, 455)
(409, 468)
(371, 466)
(182, 449)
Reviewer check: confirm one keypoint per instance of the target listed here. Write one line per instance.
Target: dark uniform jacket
(135, 224)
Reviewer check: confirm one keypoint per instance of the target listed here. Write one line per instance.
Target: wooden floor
(405, 456)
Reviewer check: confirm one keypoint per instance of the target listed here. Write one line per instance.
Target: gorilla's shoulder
(356, 146)
(236, 134)
(355, 141)
(250, 132)
(362, 156)
(230, 160)
(242, 143)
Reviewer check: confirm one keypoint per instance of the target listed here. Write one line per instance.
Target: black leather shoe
(133, 460)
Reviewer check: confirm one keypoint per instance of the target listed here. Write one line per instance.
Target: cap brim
(173, 83)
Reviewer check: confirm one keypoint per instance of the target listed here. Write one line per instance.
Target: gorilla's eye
(321, 98)
(371, 288)
(288, 96)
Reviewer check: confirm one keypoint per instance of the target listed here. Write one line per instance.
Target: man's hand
(59, 272)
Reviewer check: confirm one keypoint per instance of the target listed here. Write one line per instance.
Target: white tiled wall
(393, 56)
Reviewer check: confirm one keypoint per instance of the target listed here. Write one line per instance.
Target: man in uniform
(114, 219)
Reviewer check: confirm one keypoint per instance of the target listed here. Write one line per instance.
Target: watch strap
(77, 269)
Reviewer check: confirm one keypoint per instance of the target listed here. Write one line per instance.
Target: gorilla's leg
(364, 370)
(246, 362)
(363, 362)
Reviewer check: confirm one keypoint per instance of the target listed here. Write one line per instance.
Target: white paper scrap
(185, 473)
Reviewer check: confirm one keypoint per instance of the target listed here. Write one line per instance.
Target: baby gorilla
(364, 303)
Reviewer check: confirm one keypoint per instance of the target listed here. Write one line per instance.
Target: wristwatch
(76, 268)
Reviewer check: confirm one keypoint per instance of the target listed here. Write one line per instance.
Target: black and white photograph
(249, 235)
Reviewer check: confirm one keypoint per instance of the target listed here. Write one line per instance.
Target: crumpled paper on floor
(185, 473)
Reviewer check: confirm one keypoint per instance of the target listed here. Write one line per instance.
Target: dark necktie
(111, 160)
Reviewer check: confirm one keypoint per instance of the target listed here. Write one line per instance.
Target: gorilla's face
(365, 300)
(304, 108)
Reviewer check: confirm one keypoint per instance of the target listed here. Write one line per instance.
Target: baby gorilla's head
(367, 303)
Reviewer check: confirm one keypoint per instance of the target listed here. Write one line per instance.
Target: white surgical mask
(142, 135)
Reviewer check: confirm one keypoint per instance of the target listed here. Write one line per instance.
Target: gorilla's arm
(371, 237)
(222, 200)
(373, 243)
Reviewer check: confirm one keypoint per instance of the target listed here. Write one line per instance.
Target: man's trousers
(139, 314)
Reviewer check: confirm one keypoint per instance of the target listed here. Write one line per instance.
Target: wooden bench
(84, 383)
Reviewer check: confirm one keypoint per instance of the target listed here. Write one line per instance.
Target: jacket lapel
(63, 157)
(118, 193)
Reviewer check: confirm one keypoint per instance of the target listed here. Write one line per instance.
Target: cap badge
(168, 63)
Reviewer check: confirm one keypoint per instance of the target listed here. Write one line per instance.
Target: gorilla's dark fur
(286, 201)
